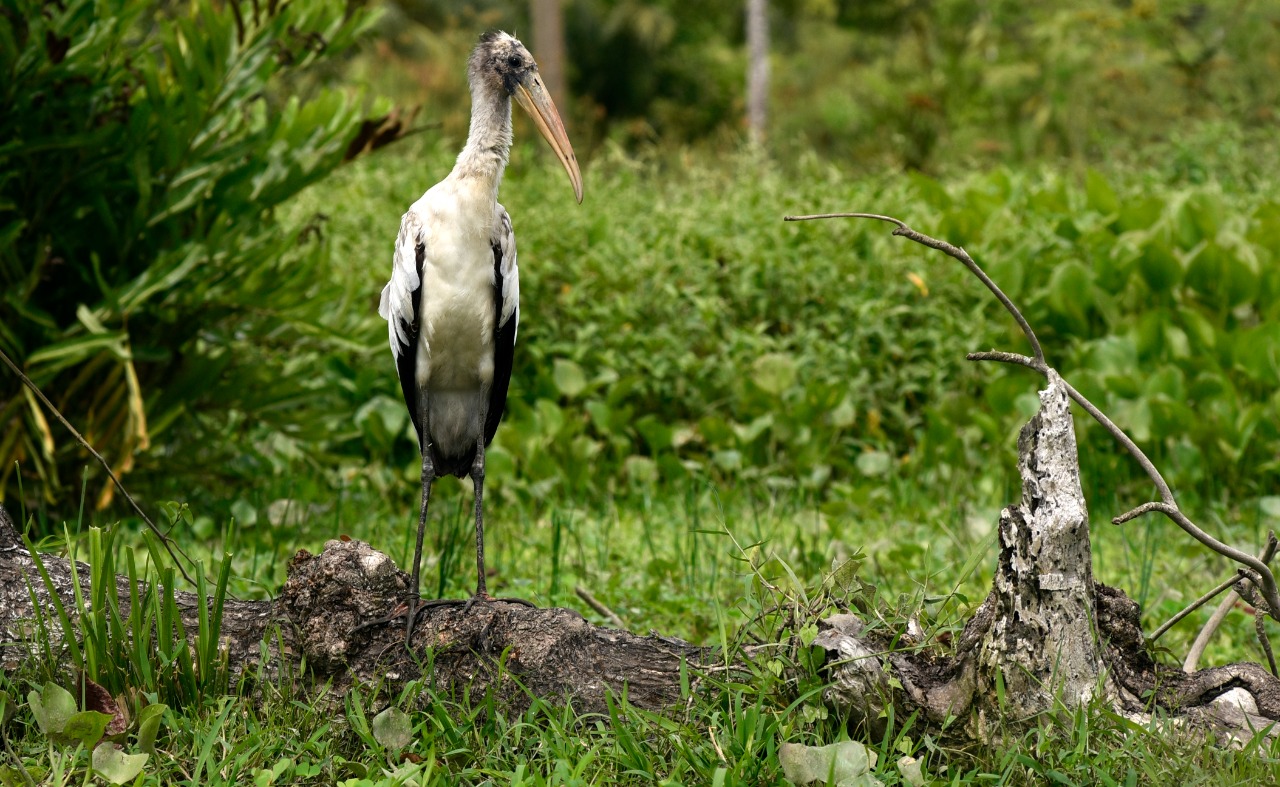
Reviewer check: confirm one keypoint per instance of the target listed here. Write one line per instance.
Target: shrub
(145, 283)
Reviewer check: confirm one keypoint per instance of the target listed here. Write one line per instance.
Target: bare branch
(1168, 504)
(952, 251)
(1226, 584)
(1265, 580)
(1220, 614)
(1162, 486)
(1129, 516)
(169, 544)
(1198, 647)
(1260, 626)
(598, 606)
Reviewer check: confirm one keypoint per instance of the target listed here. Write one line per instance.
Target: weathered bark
(1041, 643)
(1052, 634)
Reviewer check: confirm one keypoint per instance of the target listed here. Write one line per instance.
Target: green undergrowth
(709, 404)
(676, 331)
(720, 570)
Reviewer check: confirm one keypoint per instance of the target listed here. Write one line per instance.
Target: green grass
(650, 563)
(648, 441)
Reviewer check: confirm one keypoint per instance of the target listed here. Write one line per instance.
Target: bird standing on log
(453, 301)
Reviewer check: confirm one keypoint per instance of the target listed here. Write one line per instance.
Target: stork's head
(502, 65)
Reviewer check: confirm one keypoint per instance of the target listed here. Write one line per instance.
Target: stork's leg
(428, 476)
(477, 480)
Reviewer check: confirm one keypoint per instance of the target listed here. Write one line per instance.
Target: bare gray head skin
(499, 63)
(500, 68)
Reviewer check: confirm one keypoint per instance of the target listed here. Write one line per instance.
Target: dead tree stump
(1042, 644)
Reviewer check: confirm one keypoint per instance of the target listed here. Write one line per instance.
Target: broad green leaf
(1269, 505)
(1141, 213)
(149, 719)
(641, 469)
(845, 414)
(874, 463)
(244, 512)
(12, 777)
(1160, 269)
(774, 373)
(844, 764)
(569, 377)
(52, 706)
(758, 426)
(1257, 353)
(116, 766)
(912, 771)
(87, 727)
(392, 729)
(1071, 290)
(1101, 196)
(1205, 212)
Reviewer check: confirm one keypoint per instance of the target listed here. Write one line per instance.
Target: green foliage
(920, 84)
(145, 650)
(1159, 306)
(663, 342)
(88, 730)
(145, 281)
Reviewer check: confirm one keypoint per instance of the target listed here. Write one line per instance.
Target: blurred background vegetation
(194, 227)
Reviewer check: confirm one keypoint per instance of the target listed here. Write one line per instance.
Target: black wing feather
(504, 350)
(407, 358)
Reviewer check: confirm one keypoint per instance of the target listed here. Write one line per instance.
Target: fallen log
(513, 649)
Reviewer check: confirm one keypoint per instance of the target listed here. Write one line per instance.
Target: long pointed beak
(533, 98)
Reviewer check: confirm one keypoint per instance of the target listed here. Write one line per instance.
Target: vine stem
(168, 543)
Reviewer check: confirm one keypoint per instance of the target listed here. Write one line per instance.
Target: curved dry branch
(1265, 580)
(952, 251)
(1162, 486)
(1225, 606)
(1222, 587)
(1168, 504)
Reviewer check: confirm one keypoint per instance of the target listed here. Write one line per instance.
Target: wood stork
(453, 301)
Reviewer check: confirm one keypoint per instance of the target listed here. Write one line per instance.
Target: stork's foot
(466, 603)
(403, 609)
(485, 598)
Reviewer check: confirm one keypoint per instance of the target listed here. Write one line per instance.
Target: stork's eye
(514, 61)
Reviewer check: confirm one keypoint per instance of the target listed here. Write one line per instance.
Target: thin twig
(1226, 584)
(1265, 579)
(1198, 647)
(1201, 642)
(1166, 493)
(595, 604)
(1260, 626)
(711, 733)
(952, 251)
(164, 539)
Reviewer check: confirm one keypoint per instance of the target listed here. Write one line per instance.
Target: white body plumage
(467, 246)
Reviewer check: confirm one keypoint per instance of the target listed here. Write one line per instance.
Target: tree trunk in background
(548, 49)
(757, 69)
